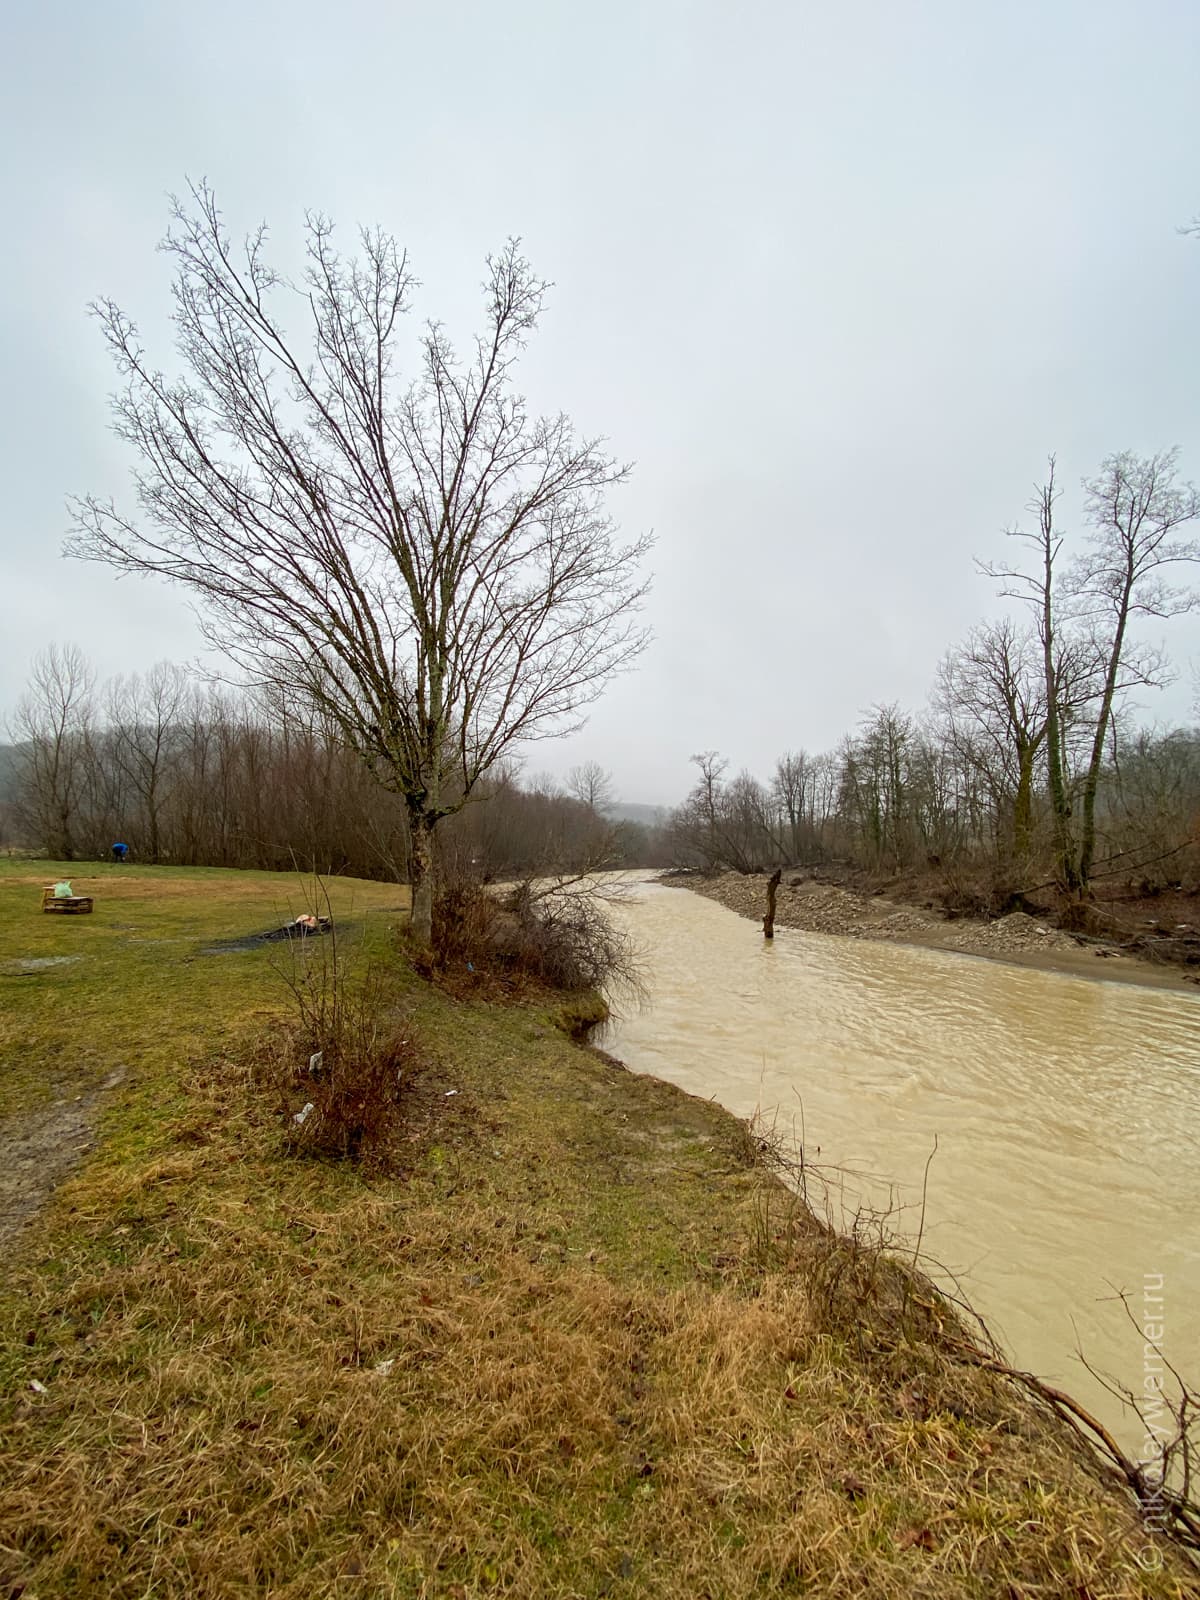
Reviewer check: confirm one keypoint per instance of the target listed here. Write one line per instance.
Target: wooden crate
(77, 904)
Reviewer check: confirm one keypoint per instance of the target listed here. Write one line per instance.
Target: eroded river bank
(816, 906)
(1066, 1115)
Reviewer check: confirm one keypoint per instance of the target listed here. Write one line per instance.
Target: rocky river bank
(814, 905)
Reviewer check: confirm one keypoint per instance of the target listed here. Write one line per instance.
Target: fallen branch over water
(1172, 1511)
(855, 1261)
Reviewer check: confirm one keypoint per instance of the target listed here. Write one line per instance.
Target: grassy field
(134, 990)
(576, 1345)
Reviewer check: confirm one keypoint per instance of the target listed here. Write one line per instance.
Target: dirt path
(39, 1149)
(817, 907)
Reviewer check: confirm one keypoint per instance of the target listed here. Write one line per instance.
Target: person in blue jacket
(120, 851)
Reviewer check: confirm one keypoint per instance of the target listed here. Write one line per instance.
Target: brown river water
(1066, 1113)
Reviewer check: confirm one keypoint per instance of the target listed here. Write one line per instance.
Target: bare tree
(755, 819)
(698, 825)
(1039, 590)
(993, 695)
(51, 728)
(591, 784)
(792, 789)
(876, 798)
(1137, 508)
(730, 824)
(429, 563)
(144, 716)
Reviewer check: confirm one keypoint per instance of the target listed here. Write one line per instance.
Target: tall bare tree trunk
(1060, 805)
(1087, 845)
(1023, 806)
(421, 834)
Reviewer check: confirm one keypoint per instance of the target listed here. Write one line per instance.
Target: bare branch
(428, 563)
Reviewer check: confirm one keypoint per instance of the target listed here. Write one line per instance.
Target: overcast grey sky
(835, 276)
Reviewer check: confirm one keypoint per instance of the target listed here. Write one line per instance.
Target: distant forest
(1027, 770)
(196, 776)
(905, 794)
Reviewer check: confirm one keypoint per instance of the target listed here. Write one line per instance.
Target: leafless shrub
(570, 941)
(352, 1110)
(341, 1069)
(552, 933)
(1082, 916)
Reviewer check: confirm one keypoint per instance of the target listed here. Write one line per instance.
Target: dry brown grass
(579, 1346)
(274, 1379)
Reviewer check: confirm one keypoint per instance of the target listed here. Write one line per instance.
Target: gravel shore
(815, 906)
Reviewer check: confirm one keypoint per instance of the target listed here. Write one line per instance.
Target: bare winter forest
(1030, 772)
(194, 776)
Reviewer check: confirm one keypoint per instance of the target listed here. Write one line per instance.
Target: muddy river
(1066, 1114)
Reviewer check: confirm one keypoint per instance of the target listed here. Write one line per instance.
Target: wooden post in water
(772, 891)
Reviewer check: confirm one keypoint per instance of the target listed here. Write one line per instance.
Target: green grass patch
(134, 990)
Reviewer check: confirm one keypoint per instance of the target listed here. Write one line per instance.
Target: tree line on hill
(194, 775)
